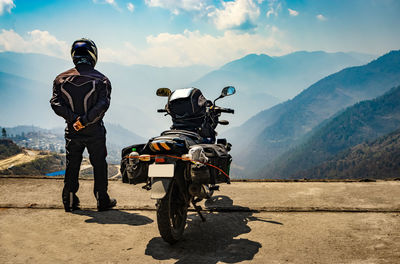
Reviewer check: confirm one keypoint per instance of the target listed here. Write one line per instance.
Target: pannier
(217, 156)
(132, 170)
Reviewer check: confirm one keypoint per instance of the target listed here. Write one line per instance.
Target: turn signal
(144, 157)
(185, 157)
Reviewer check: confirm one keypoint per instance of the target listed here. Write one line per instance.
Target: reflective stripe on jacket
(81, 92)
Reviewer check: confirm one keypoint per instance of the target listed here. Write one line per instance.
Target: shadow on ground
(114, 217)
(211, 241)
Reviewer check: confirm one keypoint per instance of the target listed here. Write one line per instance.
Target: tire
(172, 214)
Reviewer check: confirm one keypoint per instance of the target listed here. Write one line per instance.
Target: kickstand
(198, 209)
(147, 187)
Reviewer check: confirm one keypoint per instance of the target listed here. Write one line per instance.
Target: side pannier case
(219, 157)
(133, 171)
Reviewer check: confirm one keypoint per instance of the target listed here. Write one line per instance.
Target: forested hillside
(8, 148)
(363, 121)
(379, 159)
(282, 127)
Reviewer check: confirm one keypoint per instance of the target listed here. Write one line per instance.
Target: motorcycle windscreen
(181, 93)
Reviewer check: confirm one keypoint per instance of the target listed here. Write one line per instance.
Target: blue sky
(205, 32)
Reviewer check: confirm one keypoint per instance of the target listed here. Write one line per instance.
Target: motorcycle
(183, 165)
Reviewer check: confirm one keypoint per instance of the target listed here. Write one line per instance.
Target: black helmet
(84, 51)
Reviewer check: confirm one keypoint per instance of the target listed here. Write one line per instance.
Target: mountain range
(267, 135)
(263, 81)
(314, 133)
(362, 122)
(133, 88)
(134, 104)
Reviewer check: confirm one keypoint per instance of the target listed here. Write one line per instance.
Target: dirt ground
(276, 231)
(26, 156)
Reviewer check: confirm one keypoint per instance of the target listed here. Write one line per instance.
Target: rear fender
(159, 187)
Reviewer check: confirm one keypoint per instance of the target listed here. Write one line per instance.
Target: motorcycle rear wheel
(172, 214)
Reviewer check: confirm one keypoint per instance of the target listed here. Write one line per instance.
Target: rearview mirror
(228, 90)
(164, 92)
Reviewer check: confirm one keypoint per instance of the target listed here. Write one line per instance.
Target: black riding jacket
(81, 92)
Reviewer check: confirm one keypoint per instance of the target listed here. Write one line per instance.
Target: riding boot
(104, 202)
(70, 200)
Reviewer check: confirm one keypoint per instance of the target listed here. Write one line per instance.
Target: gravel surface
(235, 230)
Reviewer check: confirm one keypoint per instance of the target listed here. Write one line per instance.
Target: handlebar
(224, 110)
(228, 110)
(217, 108)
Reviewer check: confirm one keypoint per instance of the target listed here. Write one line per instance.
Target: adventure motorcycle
(182, 165)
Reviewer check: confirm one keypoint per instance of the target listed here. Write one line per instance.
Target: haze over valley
(315, 80)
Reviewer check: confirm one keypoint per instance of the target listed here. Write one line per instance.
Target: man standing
(81, 96)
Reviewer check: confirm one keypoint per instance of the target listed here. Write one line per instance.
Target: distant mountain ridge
(364, 121)
(133, 99)
(263, 81)
(285, 76)
(23, 100)
(271, 132)
(379, 159)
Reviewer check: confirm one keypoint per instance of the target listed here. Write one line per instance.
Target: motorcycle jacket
(81, 92)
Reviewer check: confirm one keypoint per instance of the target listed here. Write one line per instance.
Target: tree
(4, 133)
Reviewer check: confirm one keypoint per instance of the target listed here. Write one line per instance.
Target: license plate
(161, 170)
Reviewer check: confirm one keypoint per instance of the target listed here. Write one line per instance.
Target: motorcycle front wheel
(172, 214)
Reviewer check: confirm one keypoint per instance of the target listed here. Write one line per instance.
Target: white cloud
(176, 5)
(112, 3)
(165, 49)
(6, 6)
(192, 47)
(130, 7)
(274, 8)
(321, 17)
(36, 41)
(293, 12)
(235, 14)
(272, 29)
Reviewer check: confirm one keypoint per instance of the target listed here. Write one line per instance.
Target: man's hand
(78, 125)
